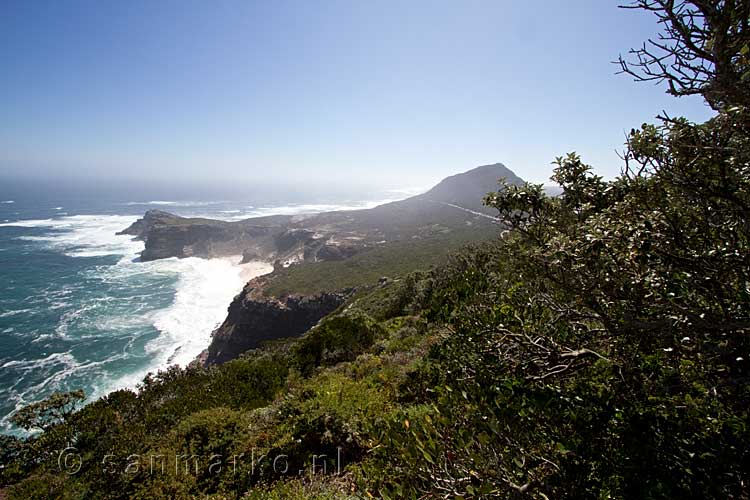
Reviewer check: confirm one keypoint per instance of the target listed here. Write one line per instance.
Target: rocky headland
(452, 206)
(254, 318)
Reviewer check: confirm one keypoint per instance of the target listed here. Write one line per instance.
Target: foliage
(56, 409)
(297, 489)
(336, 339)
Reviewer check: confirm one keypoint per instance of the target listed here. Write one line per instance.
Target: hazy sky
(317, 91)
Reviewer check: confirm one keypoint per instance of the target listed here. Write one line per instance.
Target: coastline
(194, 316)
(183, 350)
(248, 272)
(186, 326)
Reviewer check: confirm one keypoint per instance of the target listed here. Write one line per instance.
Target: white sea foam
(154, 202)
(84, 235)
(54, 358)
(59, 366)
(7, 202)
(317, 208)
(204, 289)
(298, 209)
(28, 223)
(14, 312)
(180, 203)
(405, 192)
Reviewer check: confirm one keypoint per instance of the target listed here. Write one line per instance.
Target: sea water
(79, 310)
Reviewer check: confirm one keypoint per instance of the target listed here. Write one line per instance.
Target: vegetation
(45, 414)
(367, 267)
(597, 349)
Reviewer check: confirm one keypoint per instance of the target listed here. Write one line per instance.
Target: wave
(53, 371)
(54, 358)
(14, 312)
(27, 223)
(83, 235)
(7, 202)
(180, 203)
(138, 334)
(203, 292)
(297, 209)
(156, 202)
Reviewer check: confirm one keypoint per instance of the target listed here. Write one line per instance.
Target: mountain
(468, 188)
(454, 204)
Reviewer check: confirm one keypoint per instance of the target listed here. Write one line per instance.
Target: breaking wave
(119, 318)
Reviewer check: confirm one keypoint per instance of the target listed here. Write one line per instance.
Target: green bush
(340, 338)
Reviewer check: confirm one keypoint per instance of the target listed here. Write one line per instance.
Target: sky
(313, 93)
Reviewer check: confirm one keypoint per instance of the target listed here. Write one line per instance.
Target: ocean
(78, 310)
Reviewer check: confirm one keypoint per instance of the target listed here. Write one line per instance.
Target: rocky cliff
(453, 203)
(253, 319)
(168, 235)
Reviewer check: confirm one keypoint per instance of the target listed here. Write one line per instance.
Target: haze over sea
(79, 310)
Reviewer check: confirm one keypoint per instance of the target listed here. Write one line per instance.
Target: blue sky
(317, 92)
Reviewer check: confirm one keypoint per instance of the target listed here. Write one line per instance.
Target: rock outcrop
(168, 235)
(254, 318)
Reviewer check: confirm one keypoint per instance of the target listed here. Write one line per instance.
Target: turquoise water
(79, 310)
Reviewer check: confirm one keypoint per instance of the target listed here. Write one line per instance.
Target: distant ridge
(467, 189)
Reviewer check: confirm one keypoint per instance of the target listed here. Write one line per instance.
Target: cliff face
(168, 235)
(253, 318)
